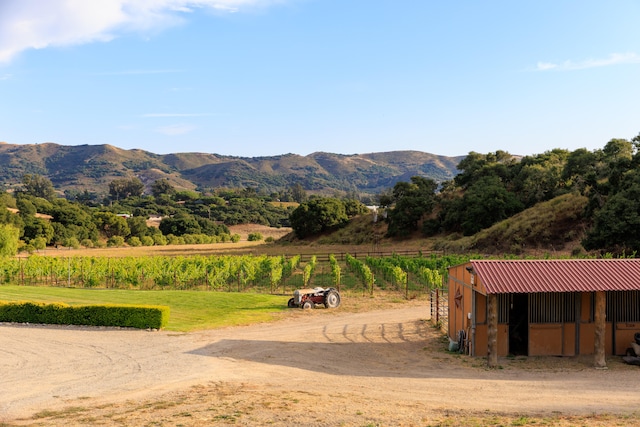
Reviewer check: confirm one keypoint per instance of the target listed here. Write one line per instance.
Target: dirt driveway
(318, 367)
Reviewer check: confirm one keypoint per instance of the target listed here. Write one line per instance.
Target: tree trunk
(600, 330)
(492, 331)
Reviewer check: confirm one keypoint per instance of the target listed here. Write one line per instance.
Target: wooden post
(600, 330)
(492, 331)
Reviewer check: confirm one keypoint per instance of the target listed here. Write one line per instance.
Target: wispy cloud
(5, 76)
(153, 115)
(613, 59)
(177, 129)
(137, 72)
(37, 24)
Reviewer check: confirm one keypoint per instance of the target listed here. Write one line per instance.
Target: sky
(257, 78)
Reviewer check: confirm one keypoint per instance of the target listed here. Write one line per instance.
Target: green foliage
(254, 237)
(162, 186)
(37, 228)
(141, 317)
(486, 202)
(308, 271)
(180, 224)
(353, 207)
(38, 186)
(617, 224)
(146, 241)
(111, 224)
(412, 201)
(362, 271)
(547, 224)
(125, 187)
(335, 270)
(190, 310)
(25, 207)
(115, 241)
(9, 239)
(71, 220)
(71, 242)
(134, 241)
(138, 226)
(318, 215)
(159, 240)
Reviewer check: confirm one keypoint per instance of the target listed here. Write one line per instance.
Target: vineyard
(409, 275)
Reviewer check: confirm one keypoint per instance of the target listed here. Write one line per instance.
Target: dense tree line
(40, 217)
(489, 188)
(321, 214)
(492, 187)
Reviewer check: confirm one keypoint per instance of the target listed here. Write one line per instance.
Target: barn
(545, 307)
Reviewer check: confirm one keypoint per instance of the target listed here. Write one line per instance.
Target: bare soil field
(358, 365)
(243, 246)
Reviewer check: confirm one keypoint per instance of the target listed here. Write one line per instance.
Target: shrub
(159, 240)
(147, 241)
(72, 242)
(254, 237)
(235, 238)
(134, 241)
(87, 243)
(175, 240)
(141, 317)
(115, 241)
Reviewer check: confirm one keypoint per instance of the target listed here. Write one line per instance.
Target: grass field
(190, 310)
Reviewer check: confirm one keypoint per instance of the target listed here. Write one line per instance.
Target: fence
(439, 307)
(340, 256)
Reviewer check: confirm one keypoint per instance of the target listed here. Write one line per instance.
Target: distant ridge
(93, 167)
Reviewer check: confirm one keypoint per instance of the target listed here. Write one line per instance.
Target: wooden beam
(600, 330)
(492, 330)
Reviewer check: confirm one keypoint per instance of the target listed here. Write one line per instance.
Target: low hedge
(132, 316)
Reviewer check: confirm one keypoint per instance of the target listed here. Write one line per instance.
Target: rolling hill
(93, 167)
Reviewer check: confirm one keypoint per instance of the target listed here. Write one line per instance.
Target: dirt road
(318, 367)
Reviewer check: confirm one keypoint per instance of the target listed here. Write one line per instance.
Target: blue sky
(268, 77)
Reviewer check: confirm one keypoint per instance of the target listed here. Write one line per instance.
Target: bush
(87, 243)
(159, 240)
(141, 317)
(254, 237)
(235, 238)
(115, 241)
(134, 241)
(72, 242)
(147, 241)
(175, 240)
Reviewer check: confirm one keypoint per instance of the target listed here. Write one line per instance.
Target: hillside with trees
(591, 198)
(88, 170)
(571, 201)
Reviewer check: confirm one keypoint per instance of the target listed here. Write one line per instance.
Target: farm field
(242, 358)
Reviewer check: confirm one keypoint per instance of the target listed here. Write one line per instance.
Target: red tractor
(311, 298)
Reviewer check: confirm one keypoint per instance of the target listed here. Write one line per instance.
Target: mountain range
(93, 167)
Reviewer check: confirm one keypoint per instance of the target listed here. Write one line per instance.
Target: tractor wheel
(307, 305)
(290, 303)
(332, 299)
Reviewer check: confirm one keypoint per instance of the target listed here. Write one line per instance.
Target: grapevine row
(362, 271)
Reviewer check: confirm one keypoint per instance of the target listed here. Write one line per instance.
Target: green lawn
(190, 310)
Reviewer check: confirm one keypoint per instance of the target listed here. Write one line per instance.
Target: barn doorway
(519, 325)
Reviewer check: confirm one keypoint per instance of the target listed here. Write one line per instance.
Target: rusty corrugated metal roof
(565, 275)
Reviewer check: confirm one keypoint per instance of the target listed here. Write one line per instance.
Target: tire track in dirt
(373, 362)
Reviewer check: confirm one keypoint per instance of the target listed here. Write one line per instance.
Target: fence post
(406, 286)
